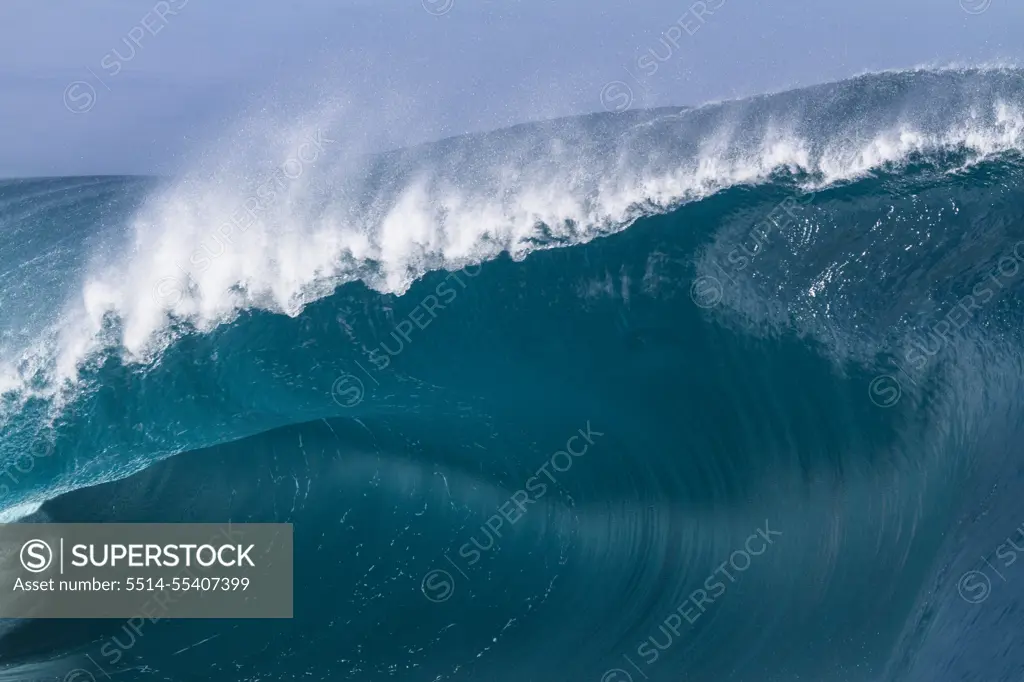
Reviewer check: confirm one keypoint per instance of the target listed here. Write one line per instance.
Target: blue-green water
(703, 394)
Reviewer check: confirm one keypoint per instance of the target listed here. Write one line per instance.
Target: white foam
(330, 223)
(19, 512)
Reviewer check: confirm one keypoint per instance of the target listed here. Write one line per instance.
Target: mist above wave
(277, 213)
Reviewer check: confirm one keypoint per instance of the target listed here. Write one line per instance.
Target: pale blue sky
(480, 65)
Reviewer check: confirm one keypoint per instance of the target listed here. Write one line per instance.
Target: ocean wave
(745, 366)
(275, 216)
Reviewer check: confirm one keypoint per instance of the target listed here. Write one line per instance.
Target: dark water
(764, 433)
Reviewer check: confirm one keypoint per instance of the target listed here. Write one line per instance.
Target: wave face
(728, 392)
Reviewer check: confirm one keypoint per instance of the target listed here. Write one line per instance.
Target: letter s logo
(79, 97)
(36, 556)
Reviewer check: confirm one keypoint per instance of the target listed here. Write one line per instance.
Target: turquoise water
(716, 393)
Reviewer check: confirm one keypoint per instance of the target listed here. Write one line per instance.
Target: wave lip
(301, 211)
(289, 213)
(397, 442)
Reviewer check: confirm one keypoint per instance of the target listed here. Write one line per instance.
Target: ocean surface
(720, 393)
